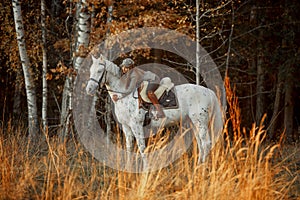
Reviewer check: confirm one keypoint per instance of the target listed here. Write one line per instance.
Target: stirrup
(156, 114)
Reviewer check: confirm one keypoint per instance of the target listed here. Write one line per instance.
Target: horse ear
(101, 57)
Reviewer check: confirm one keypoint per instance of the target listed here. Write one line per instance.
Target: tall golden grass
(246, 168)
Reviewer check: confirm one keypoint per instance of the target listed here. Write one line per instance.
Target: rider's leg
(150, 93)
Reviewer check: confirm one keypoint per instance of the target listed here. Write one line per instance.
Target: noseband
(94, 80)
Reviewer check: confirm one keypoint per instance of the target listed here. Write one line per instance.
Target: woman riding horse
(133, 75)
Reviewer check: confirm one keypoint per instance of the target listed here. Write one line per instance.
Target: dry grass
(245, 169)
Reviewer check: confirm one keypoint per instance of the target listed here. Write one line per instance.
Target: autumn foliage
(255, 43)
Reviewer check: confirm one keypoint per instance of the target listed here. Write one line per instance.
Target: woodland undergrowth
(245, 167)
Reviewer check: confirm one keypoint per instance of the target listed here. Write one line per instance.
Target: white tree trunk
(197, 43)
(108, 102)
(29, 84)
(45, 89)
(64, 115)
(82, 33)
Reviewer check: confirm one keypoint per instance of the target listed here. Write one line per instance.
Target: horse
(197, 103)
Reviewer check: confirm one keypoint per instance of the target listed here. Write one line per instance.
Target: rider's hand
(115, 97)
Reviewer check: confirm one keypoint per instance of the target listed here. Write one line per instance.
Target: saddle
(164, 93)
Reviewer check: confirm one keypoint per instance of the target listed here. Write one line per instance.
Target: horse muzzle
(91, 88)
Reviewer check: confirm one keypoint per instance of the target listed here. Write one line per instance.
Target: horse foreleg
(140, 139)
(129, 143)
(142, 147)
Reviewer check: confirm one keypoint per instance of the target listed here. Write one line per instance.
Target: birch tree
(208, 13)
(29, 84)
(44, 52)
(197, 44)
(82, 33)
(108, 103)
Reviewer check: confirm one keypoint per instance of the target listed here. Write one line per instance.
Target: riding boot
(154, 100)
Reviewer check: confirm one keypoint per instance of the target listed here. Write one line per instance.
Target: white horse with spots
(197, 103)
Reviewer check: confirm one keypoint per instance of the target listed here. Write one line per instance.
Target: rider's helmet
(127, 63)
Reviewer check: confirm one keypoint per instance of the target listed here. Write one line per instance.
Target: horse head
(97, 72)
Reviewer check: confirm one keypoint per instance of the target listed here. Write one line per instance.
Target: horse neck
(113, 75)
(112, 68)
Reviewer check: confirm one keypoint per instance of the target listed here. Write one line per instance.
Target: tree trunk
(260, 67)
(81, 43)
(17, 96)
(83, 33)
(29, 84)
(289, 41)
(275, 115)
(259, 89)
(44, 50)
(108, 120)
(197, 43)
(65, 108)
(288, 104)
(108, 102)
(259, 62)
(64, 112)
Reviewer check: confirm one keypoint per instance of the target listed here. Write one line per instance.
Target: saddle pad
(169, 100)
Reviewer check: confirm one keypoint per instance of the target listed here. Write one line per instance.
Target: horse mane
(113, 68)
(126, 79)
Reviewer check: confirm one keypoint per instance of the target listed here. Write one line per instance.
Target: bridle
(104, 75)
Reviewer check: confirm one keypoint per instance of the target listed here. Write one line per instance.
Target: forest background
(254, 42)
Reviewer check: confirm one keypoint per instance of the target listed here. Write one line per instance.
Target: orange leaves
(82, 51)
(108, 2)
(60, 71)
(49, 76)
(63, 44)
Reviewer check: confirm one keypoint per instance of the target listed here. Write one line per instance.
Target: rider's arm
(150, 76)
(132, 82)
